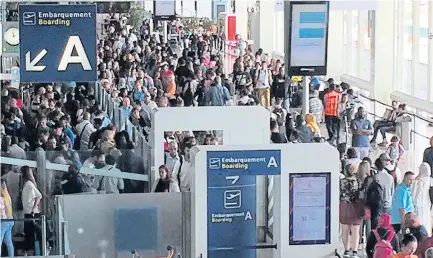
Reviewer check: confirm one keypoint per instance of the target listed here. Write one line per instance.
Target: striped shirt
(316, 108)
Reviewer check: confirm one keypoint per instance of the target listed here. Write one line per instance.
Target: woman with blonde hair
(350, 217)
(310, 121)
(363, 172)
(421, 197)
(6, 213)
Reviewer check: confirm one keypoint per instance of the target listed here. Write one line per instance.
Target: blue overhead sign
(57, 43)
(231, 199)
(256, 162)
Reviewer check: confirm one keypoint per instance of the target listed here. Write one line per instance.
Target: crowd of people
(141, 74)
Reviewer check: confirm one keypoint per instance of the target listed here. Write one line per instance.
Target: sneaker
(346, 254)
(383, 144)
(355, 255)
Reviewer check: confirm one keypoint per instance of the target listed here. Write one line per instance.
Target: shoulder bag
(77, 142)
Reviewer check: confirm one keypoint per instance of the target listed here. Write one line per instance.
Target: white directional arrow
(234, 179)
(31, 65)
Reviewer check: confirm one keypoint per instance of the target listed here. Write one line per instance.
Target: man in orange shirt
(331, 101)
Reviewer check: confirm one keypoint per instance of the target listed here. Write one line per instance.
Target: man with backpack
(279, 111)
(218, 94)
(391, 168)
(182, 170)
(379, 193)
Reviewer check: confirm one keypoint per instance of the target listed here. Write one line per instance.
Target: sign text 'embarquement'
(58, 43)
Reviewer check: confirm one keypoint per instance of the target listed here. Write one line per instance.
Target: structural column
(241, 11)
(384, 36)
(335, 44)
(266, 24)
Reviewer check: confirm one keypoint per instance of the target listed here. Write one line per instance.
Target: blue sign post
(231, 184)
(57, 43)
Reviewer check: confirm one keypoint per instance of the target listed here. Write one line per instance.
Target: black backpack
(279, 112)
(393, 174)
(201, 98)
(296, 99)
(187, 96)
(374, 195)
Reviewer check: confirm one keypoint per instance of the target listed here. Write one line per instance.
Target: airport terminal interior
(216, 128)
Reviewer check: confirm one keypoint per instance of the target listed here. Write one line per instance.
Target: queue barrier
(45, 172)
(114, 113)
(43, 221)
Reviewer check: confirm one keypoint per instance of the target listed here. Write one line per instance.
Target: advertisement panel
(310, 213)
(308, 37)
(231, 204)
(58, 43)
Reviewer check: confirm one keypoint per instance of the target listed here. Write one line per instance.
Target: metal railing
(43, 221)
(45, 174)
(115, 114)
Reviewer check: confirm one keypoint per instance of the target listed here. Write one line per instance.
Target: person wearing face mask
(361, 128)
(402, 202)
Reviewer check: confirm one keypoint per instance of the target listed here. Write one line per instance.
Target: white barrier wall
(240, 126)
(296, 160)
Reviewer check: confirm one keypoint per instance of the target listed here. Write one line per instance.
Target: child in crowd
(395, 149)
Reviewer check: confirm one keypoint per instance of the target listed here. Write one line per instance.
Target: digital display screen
(165, 8)
(308, 35)
(310, 214)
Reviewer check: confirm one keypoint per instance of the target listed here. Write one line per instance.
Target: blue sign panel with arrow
(58, 43)
(231, 202)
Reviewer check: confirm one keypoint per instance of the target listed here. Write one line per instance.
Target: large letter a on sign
(74, 42)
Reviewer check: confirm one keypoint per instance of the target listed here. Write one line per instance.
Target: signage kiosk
(224, 203)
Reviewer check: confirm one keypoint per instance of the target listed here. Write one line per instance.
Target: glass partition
(144, 223)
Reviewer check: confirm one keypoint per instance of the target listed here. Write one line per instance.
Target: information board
(308, 38)
(231, 199)
(310, 214)
(58, 43)
(164, 9)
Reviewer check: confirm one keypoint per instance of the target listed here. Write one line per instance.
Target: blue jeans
(6, 235)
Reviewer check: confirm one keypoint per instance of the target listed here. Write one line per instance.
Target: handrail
(414, 132)
(43, 220)
(84, 170)
(387, 105)
(21, 219)
(375, 100)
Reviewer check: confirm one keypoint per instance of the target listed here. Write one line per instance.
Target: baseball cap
(385, 157)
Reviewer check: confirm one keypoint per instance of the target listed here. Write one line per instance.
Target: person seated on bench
(388, 123)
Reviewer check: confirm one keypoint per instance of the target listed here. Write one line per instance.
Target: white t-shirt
(30, 193)
(2, 209)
